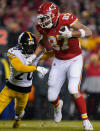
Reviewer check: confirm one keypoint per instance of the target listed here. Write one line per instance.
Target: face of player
(28, 49)
(45, 21)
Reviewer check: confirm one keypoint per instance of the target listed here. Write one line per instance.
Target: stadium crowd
(17, 16)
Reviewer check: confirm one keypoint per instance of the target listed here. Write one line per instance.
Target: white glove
(42, 70)
(30, 60)
(66, 32)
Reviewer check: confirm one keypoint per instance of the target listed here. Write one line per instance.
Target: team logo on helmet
(52, 7)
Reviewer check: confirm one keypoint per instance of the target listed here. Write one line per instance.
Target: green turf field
(47, 126)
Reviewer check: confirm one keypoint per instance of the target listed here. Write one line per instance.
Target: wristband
(82, 32)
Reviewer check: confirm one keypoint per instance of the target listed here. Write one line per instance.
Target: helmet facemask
(45, 21)
(28, 48)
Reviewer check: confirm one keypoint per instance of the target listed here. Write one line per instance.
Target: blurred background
(17, 16)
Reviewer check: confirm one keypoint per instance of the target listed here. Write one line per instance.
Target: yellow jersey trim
(11, 55)
(74, 22)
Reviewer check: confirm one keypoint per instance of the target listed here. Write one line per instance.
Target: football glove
(66, 32)
(42, 70)
(30, 60)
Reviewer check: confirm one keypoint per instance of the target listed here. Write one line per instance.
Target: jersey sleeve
(69, 19)
(20, 67)
(11, 54)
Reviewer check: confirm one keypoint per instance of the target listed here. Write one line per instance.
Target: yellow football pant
(7, 95)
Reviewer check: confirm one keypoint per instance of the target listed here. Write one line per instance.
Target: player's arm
(80, 30)
(17, 64)
(41, 45)
(20, 67)
(47, 55)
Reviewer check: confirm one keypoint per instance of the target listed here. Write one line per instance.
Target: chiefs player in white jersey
(19, 83)
(62, 32)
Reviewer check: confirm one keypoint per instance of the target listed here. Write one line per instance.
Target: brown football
(62, 28)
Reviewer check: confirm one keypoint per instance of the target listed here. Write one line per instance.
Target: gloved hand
(42, 70)
(66, 32)
(30, 60)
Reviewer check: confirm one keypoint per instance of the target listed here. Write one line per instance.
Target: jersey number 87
(54, 40)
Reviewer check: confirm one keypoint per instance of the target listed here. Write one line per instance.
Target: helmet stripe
(29, 36)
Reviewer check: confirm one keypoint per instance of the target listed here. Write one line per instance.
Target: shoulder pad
(68, 18)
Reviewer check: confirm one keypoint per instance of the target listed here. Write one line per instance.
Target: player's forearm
(81, 30)
(47, 55)
(39, 49)
(41, 45)
(81, 33)
(32, 58)
(20, 67)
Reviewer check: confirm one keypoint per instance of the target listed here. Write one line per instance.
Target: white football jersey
(18, 78)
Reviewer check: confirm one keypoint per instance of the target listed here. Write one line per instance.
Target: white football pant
(60, 69)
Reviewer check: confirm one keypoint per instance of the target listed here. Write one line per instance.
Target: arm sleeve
(72, 19)
(69, 19)
(20, 67)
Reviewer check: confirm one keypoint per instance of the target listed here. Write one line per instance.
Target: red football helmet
(48, 14)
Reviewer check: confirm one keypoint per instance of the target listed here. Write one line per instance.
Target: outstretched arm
(20, 67)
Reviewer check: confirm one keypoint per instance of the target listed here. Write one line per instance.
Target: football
(62, 28)
(65, 31)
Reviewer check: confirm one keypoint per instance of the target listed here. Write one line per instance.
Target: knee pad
(52, 95)
(71, 91)
(73, 88)
(73, 85)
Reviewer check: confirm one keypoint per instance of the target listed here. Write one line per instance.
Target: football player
(19, 83)
(62, 32)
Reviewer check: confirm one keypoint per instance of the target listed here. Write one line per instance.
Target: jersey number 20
(29, 76)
